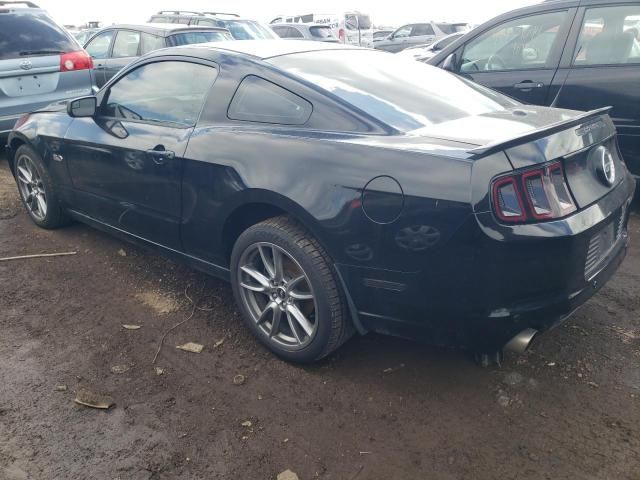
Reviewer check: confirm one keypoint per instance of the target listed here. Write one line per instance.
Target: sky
(383, 12)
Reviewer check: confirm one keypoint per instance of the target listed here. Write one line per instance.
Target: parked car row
(340, 189)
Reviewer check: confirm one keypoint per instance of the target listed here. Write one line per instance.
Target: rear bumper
(530, 276)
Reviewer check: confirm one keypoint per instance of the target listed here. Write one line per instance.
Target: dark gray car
(40, 63)
(305, 31)
(118, 45)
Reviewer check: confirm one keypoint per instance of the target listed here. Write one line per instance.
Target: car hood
(495, 127)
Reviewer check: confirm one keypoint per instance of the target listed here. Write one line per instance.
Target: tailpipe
(521, 342)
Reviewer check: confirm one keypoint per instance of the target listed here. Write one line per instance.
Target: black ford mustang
(340, 190)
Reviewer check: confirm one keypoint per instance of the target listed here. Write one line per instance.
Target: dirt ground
(381, 408)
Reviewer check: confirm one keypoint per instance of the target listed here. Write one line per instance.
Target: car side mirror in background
(449, 63)
(82, 107)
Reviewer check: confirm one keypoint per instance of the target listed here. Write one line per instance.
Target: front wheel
(284, 284)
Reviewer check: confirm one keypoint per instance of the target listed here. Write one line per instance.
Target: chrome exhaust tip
(521, 342)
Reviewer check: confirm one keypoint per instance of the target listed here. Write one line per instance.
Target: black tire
(55, 215)
(334, 326)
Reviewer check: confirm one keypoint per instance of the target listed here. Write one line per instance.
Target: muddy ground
(381, 408)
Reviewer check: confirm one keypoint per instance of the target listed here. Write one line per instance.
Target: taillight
(79, 60)
(341, 35)
(21, 121)
(533, 195)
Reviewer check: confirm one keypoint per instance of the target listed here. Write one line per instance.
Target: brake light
(79, 60)
(341, 35)
(533, 195)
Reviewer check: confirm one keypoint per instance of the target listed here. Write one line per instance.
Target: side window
(422, 29)
(609, 36)
(258, 100)
(169, 92)
(280, 31)
(126, 44)
(521, 44)
(99, 46)
(151, 43)
(403, 31)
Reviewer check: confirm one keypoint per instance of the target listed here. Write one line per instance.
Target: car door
(421, 34)
(518, 57)
(125, 163)
(126, 48)
(602, 68)
(99, 47)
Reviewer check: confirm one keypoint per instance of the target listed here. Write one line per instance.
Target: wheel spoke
(275, 322)
(292, 326)
(277, 264)
(256, 275)
(301, 295)
(265, 261)
(300, 318)
(24, 175)
(254, 288)
(42, 204)
(264, 316)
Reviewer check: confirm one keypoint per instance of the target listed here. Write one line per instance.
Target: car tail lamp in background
(79, 60)
(341, 35)
(533, 195)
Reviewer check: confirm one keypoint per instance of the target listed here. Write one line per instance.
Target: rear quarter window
(22, 33)
(259, 100)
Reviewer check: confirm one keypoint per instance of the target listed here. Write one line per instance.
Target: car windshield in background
(32, 34)
(188, 38)
(402, 93)
(321, 32)
(246, 30)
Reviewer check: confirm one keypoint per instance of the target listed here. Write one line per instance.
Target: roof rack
(178, 12)
(222, 13)
(4, 3)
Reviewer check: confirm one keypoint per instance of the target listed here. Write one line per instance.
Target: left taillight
(72, 61)
(533, 195)
(21, 121)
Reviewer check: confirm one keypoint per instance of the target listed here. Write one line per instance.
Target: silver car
(305, 31)
(414, 34)
(40, 63)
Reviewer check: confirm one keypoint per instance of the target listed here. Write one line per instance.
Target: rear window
(258, 100)
(321, 32)
(188, 38)
(32, 34)
(400, 92)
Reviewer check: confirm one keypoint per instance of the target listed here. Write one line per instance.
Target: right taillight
(533, 195)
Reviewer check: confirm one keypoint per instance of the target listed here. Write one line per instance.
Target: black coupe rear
(341, 190)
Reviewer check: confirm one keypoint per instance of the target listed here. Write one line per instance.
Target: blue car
(340, 190)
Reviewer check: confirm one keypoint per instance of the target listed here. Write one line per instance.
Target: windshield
(188, 38)
(23, 34)
(400, 92)
(247, 30)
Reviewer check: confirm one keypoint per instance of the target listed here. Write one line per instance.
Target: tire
(41, 186)
(327, 323)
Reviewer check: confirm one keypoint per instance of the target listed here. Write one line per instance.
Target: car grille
(603, 242)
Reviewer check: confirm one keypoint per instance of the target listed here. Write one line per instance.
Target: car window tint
(400, 92)
(188, 38)
(151, 43)
(98, 47)
(126, 44)
(422, 29)
(258, 100)
(34, 32)
(403, 31)
(171, 92)
(609, 36)
(521, 44)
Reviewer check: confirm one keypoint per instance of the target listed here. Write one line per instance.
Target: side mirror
(82, 107)
(450, 62)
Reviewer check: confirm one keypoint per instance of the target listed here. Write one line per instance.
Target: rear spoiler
(538, 133)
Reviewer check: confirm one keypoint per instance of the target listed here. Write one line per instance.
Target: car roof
(163, 29)
(265, 49)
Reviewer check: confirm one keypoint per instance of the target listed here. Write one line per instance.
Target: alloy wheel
(278, 295)
(31, 187)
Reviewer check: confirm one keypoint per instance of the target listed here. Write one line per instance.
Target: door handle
(528, 85)
(160, 156)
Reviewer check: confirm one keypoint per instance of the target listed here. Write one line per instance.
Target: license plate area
(33, 84)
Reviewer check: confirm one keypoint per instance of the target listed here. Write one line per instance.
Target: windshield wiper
(40, 52)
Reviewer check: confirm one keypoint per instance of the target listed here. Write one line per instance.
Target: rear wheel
(37, 191)
(285, 287)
